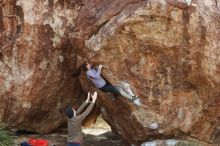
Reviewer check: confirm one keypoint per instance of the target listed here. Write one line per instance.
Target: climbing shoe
(133, 98)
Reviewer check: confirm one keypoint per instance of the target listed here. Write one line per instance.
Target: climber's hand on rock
(88, 97)
(100, 66)
(94, 97)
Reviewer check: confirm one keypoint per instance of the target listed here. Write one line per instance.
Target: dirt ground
(92, 137)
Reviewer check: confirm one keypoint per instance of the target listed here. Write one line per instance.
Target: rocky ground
(104, 138)
(100, 134)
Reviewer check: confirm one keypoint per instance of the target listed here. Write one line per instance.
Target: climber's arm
(99, 70)
(88, 110)
(83, 105)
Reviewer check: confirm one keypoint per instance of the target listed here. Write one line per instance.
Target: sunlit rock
(168, 52)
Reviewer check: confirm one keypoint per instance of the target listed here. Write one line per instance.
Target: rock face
(36, 58)
(168, 51)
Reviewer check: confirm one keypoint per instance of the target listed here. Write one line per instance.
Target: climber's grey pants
(123, 93)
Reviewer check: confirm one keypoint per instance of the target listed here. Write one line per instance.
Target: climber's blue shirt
(95, 77)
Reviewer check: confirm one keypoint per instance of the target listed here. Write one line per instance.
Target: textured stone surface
(168, 51)
(36, 58)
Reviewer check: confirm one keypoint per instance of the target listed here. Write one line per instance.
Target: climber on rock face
(94, 75)
(75, 119)
(100, 82)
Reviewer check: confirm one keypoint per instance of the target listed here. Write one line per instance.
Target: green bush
(6, 138)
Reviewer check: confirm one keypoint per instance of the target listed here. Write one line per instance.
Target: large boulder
(168, 52)
(36, 59)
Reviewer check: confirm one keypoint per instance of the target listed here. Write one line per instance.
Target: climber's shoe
(137, 101)
(134, 98)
